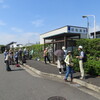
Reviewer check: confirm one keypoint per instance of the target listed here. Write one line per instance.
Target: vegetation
(2, 48)
(92, 49)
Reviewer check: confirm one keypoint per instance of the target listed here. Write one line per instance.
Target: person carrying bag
(69, 64)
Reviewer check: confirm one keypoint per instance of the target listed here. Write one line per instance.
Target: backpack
(85, 57)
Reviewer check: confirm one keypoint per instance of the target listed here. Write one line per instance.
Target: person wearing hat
(69, 64)
(65, 51)
(80, 57)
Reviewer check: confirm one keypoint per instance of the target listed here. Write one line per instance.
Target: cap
(63, 47)
(69, 51)
(80, 47)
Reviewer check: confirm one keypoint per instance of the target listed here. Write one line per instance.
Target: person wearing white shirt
(80, 57)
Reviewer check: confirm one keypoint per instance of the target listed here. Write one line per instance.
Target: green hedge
(92, 49)
(38, 50)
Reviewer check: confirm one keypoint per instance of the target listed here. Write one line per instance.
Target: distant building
(11, 45)
(97, 34)
(20, 45)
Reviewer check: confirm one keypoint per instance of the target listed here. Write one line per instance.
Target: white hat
(80, 47)
(63, 47)
(69, 51)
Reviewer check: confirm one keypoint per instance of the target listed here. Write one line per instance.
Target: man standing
(80, 57)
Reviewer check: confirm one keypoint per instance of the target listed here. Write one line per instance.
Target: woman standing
(7, 60)
(69, 64)
(45, 54)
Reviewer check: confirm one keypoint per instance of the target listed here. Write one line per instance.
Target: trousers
(81, 68)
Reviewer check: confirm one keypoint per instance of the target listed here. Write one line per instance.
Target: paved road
(20, 85)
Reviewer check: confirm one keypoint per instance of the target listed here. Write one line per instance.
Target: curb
(54, 76)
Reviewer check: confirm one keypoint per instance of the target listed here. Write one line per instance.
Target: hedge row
(92, 49)
(38, 50)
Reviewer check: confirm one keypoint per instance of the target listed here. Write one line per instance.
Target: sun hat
(80, 47)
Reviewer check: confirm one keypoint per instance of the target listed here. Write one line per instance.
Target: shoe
(72, 80)
(65, 80)
(60, 73)
(81, 78)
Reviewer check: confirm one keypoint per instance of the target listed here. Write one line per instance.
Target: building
(64, 36)
(97, 34)
(11, 45)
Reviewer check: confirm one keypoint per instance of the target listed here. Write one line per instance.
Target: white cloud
(16, 29)
(38, 22)
(22, 38)
(2, 23)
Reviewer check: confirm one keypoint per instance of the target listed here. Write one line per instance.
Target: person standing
(65, 54)
(5, 54)
(69, 64)
(16, 57)
(45, 54)
(11, 57)
(7, 61)
(20, 52)
(31, 54)
(65, 51)
(60, 60)
(80, 57)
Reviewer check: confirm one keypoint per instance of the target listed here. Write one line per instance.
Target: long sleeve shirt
(68, 59)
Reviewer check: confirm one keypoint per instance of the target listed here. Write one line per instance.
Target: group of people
(11, 57)
(65, 61)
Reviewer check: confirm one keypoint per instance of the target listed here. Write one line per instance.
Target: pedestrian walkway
(51, 69)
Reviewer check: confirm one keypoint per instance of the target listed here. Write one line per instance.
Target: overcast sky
(23, 21)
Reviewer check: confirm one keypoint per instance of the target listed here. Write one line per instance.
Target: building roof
(11, 43)
(63, 27)
(98, 32)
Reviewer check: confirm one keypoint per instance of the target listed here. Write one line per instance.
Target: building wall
(52, 33)
(66, 29)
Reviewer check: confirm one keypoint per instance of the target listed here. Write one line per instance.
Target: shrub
(92, 49)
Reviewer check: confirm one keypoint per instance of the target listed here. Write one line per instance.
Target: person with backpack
(81, 61)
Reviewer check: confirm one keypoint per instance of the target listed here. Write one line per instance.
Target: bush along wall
(92, 49)
(37, 50)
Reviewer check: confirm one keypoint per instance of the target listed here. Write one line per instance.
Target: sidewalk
(49, 69)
